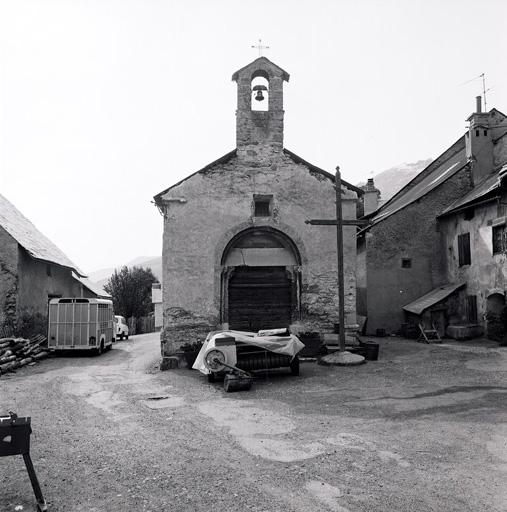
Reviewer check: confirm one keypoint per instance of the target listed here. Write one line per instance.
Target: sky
(105, 103)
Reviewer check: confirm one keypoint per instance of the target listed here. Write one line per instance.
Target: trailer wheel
(100, 348)
(126, 336)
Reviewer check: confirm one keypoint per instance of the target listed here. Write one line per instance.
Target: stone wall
(411, 233)
(219, 205)
(8, 277)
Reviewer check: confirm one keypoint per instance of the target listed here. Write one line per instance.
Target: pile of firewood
(17, 352)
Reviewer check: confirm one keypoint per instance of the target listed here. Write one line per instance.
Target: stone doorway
(260, 281)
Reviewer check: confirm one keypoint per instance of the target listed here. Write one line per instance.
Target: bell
(259, 96)
(259, 88)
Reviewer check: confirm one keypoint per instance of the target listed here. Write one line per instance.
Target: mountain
(394, 179)
(102, 275)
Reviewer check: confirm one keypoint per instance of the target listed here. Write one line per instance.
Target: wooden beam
(333, 222)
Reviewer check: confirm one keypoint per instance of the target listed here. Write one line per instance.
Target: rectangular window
(406, 262)
(499, 239)
(464, 249)
(262, 205)
(469, 213)
(472, 309)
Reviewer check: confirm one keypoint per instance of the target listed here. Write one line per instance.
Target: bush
(28, 325)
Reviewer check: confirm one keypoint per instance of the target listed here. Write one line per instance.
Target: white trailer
(81, 324)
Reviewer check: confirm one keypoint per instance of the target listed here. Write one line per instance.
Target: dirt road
(422, 429)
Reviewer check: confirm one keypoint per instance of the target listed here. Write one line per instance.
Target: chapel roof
(30, 238)
(228, 156)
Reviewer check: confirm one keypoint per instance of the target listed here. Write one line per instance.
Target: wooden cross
(339, 223)
(260, 47)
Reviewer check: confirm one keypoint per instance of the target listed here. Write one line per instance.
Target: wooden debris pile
(18, 352)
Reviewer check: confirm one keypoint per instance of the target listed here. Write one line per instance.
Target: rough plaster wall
(361, 299)
(219, 205)
(487, 271)
(8, 277)
(500, 151)
(35, 285)
(410, 233)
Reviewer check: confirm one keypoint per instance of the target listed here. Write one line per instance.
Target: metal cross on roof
(260, 47)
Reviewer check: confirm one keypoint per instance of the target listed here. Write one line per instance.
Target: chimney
(371, 197)
(478, 103)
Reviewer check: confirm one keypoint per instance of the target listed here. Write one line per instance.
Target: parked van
(80, 324)
(122, 329)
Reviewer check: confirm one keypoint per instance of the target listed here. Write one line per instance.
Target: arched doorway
(260, 280)
(495, 316)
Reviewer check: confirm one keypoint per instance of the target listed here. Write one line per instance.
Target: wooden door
(259, 298)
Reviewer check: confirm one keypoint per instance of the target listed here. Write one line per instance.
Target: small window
(472, 309)
(406, 262)
(477, 133)
(485, 133)
(464, 249)
(469, 213)
(262, 206)
(499, 239)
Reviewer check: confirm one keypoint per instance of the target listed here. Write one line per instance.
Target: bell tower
(259, 116)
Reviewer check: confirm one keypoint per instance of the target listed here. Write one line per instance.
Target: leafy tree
(130, 289)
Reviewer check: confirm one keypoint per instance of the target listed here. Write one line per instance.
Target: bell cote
(259, 116)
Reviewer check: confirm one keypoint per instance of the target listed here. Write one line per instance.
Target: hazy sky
(105, 103)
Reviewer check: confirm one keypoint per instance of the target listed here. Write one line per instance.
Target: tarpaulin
(288, 345)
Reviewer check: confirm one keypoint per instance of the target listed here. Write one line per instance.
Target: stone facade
(413, 250)
(205, 213)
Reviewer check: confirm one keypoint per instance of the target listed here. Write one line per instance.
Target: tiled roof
(433, 176)
(432, 298)
(94, 288)
(484, 187)
(30, 238)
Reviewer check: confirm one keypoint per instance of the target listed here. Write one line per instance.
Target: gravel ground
(422, 429)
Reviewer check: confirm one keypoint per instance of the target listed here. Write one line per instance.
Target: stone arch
(259, 271)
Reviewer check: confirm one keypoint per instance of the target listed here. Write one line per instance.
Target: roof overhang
(436, 295)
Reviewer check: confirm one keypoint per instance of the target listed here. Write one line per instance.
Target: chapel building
(237, 253)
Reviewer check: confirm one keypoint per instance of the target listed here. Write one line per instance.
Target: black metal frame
(15, 440)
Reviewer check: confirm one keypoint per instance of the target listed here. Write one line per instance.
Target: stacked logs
(18, 352)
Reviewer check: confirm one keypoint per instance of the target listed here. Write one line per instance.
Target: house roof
(482, 189)
(93, 287)
(436, 173)
(228, 156)
(30, 238)
(432, 298)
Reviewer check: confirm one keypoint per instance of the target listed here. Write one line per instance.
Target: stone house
(33, 270)
(237, 252)
(428, 255)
